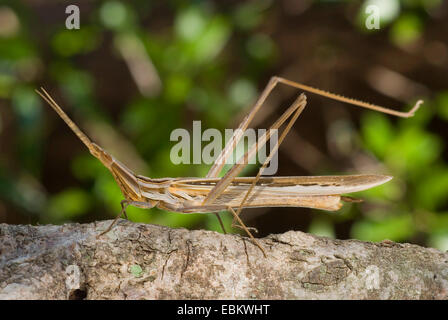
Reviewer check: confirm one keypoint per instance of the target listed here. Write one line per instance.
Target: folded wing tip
(380, 179)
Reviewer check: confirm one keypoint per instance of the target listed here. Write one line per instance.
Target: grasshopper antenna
(81, 135)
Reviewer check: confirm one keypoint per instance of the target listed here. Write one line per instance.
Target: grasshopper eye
(99, 153)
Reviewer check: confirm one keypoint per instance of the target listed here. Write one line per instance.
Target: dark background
(137, 70)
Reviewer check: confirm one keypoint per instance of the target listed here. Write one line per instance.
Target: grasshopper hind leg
(243, 226)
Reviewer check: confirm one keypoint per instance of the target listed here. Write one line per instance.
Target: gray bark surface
(140, 261)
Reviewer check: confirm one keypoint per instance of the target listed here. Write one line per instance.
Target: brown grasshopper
(214, 194)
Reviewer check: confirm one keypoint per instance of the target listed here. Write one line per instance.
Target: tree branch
(138, 261)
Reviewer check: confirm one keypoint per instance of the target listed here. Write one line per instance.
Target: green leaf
(212, 223)
(413, 149)
(177, 87)
(431, 191)
(442, 104)
(69, 204)
(116, 15)
(6, 85)
(322, 227)
(190, 23)
(250, 14)
(178, 220)
(406, 30)
(390, 191)
(71, 42)
(202, 36)
(439, 241)
(242, 92)
(439, 223)
(377, 132)
(26, 104)
(260, 46)
(86, 167)
(212, 40)
(108, 191)
(16, 48)
(140, 215)
(395, 228)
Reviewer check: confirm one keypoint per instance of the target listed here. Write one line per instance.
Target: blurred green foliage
(193, 52)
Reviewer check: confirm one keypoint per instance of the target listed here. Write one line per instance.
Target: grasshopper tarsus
(351, 199)
(234, 225)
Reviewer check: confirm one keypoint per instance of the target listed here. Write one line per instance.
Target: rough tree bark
(137, 261)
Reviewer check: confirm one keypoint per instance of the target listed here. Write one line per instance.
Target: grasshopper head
(101, 155)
